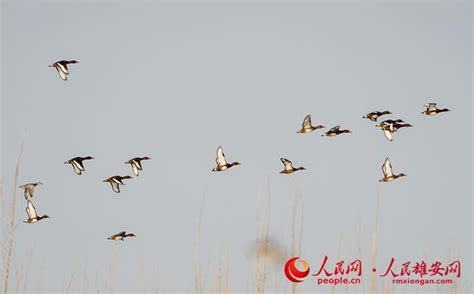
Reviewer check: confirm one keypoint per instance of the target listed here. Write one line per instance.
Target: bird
(33, 217)
(335, 131)
(388, 122)
(116, 181)
(221, 162)
(288, 167)
(120, 236)
(431, 109)
(306, 127)
(136, 164)
(61, 67)
(374, 115)
(29, 189)
(389, 128)
(388, 174)
(77, 164)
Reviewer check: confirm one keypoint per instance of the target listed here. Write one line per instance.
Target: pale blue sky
(174, 81)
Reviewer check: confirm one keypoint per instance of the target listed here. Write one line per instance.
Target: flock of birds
(388, 127)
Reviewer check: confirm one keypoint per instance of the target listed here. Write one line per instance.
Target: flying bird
(120, 236)
(116, 181)
(335, 131)
(388, 174)
(431, 109)
(29, 189)
(307, 127)
(288, 167)
(374, 115)
(33, 217)
(136, 164)
(221, 161)
(61, 67)
(389, 127)
(77, 164)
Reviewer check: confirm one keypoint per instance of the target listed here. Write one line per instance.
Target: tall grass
(11, 223)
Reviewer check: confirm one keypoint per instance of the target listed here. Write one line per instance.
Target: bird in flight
(33, 217)
(116, 181)
(431, 109)
(388, 174)
(374, 115)
(136, 164)
(61, 67)
(120, 236)
(29, 189)
(335, 131)
(222, 162)
(307, 127)
(288, 167)
(77, 164)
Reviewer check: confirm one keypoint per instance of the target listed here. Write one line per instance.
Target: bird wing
(61, 73)
(136, 169)
(63, 66)
(115, 186)
(334, 129)
(122, 233)
(31, 210)
(29, 191)
(387, 168)
(288, 164)
(76, 168)
(138, 163)
(388, 134)
(307, 121)
(220, 157)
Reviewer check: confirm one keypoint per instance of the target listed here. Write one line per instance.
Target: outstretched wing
(62, 74)
(387, 168)
(220, 160)
(115, 186)
(136, 169)
(335, 129)
(288, 164)
(307, 121)
(388, 134)
(431, 106)
(122, 233)
(31, 210)
(77, 170)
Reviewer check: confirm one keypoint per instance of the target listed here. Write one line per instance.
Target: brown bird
(77, 164)
(61, 67)
(137, 164)
(120, 236)
(116, 181)
(288, 167)
(222, 162)
(335, 131)
(388, 174)
(29, 188)
(33, 217)
(374, 115)
(307, 127)
(431, 109)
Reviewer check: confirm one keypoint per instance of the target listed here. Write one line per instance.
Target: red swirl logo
(293, 273)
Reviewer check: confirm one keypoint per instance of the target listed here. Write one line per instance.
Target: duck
(335, 131)
(29, 189)
(33, 217)
(388, 174)
(374, 115)
(120, 236)
(61, 67)
(388, 122)
(306, 127)
(77, 164)
(288, 167)
(136, 164)
(116, 181)
(389, 128)
(431, 109)
(221, 161)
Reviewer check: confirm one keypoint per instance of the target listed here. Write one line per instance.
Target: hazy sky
(174, 81)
